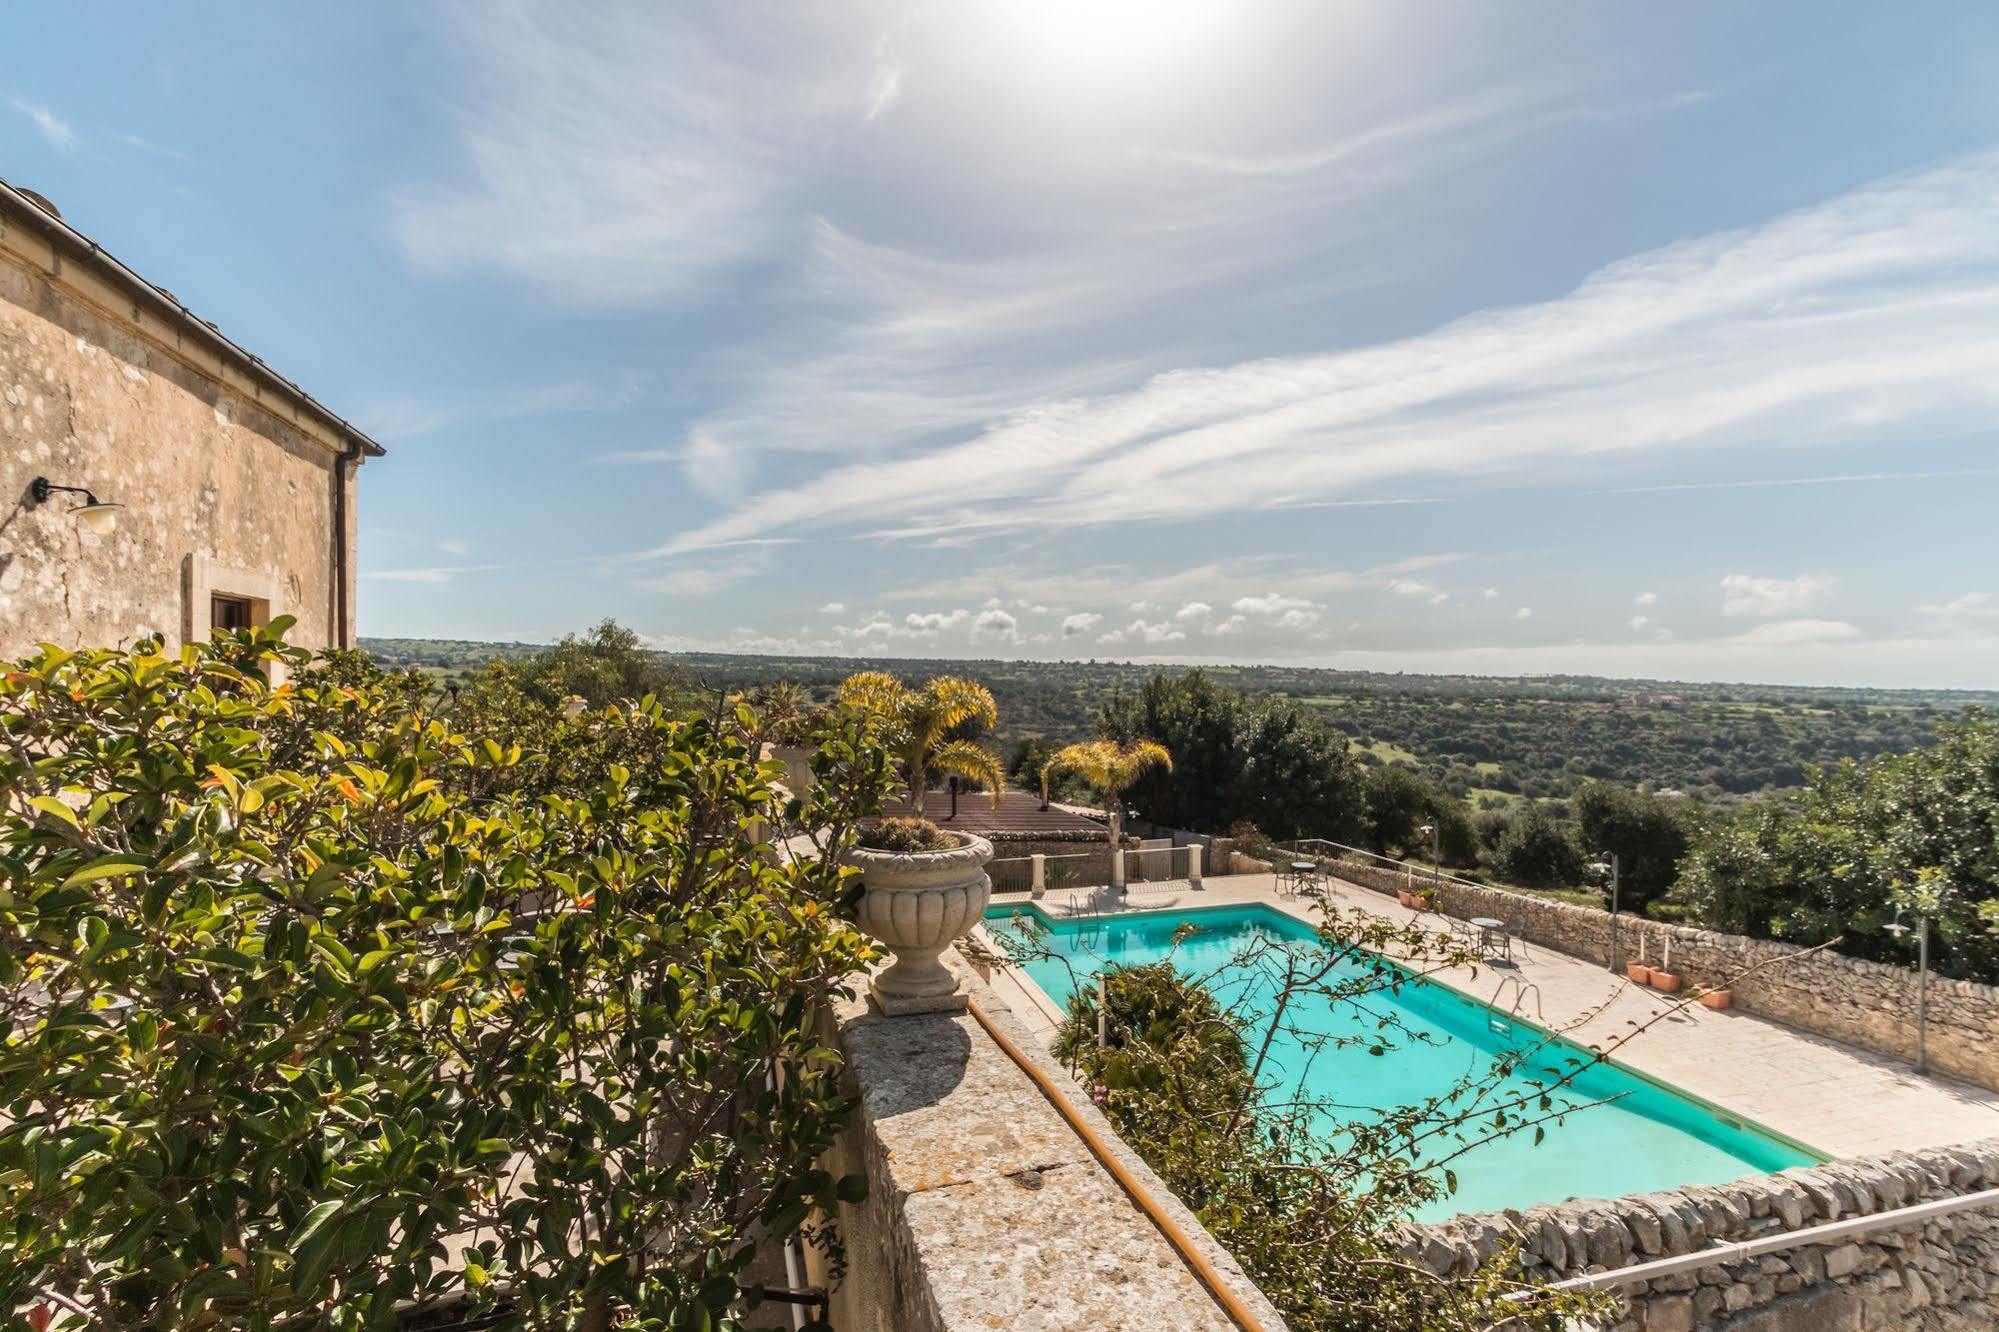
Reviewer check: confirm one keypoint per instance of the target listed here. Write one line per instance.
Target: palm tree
(1111, 768)
(917, 725)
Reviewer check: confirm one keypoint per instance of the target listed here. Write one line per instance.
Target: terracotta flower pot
(1638, 973)
(1665, 981)
(919, 904)
(1718, 998)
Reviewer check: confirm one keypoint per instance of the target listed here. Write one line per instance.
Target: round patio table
(1303, 872)
(1487, 927)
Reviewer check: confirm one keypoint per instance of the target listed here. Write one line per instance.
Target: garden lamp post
(1608, 868)
(1899, 930)
(1436, 860)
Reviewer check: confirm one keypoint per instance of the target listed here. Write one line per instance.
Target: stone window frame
(204, 579)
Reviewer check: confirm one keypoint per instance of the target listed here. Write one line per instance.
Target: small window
(231, 612)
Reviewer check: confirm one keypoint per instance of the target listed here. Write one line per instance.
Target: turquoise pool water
(1649, 1137)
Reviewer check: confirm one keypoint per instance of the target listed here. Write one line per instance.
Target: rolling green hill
(1493, 740)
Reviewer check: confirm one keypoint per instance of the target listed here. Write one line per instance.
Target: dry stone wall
(1866, 1004)
(1940, 1274)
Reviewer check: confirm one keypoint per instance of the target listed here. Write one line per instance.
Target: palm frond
(966, 759)
(873, 691)
(1106, 765)
(957, 701)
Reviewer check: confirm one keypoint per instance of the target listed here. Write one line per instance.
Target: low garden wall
(1088, 859)
(1866, 1004)
(1941, 1274)
(985, 1209)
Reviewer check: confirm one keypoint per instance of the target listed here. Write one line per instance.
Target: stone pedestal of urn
(919, 903)
(797, 761)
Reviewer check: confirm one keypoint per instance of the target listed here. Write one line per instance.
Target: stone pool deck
(1833, 1098)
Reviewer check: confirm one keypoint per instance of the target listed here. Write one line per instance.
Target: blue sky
(1655, 340)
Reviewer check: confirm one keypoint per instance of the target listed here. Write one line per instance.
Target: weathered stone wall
(1866, 1004)
(222, 492)
(1941, 1274)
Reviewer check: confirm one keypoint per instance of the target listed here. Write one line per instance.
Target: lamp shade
(100, 519)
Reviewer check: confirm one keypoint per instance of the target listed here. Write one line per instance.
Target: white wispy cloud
(1834, 324)
(1645, 599)
(55, 129)
(436, 575)
(640, 457)
(405, 417)
(1970, 608)
(1080, 623)
(931, 623)
(703, 580)
(833, 608)
(1789, 633)
(615, 154)
(1743, 594)
(1141, 631)
(1783, 482)
(997, 625)
(1475, 124)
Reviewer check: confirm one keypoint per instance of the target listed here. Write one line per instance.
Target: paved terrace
(1832, 1097)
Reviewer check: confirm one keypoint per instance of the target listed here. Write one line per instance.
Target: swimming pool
(1650, 1137)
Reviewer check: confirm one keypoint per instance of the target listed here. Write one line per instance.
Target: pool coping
(1042, 998)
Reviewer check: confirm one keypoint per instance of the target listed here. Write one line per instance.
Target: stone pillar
(1117, 867)
(1039, 863)
(1194, 864)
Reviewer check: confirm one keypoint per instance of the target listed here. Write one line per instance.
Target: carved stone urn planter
(919, 903)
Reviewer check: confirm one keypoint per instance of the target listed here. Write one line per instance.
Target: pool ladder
(1522, 988)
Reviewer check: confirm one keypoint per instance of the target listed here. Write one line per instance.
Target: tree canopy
(1863, 839)
(1238, 759)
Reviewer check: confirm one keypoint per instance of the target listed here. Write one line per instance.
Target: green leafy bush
(907, 836)
(320, 1002)
(1313, 1223)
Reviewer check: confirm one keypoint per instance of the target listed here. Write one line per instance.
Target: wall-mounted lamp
(93, 513)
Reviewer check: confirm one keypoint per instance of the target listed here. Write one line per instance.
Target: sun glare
(1109, 36)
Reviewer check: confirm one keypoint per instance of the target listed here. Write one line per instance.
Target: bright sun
(1107, 37)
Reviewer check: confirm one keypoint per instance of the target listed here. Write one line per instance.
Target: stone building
(234, 488)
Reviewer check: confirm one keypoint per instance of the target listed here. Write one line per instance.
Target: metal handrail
(1900, 1218)
(1520, 997)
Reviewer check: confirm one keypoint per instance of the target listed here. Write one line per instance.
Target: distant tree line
(1838, 856)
